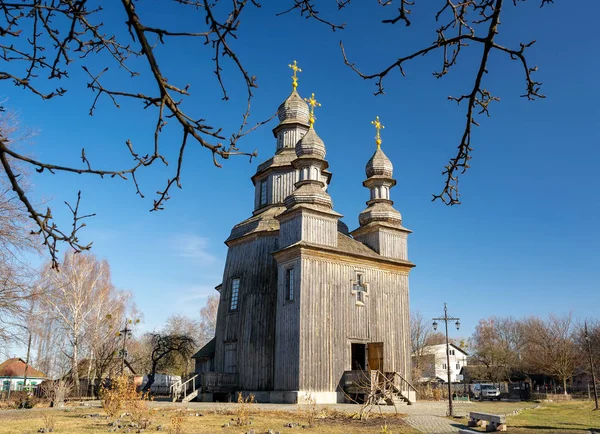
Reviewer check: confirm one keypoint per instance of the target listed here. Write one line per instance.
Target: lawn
(74, 421)
(563, 417)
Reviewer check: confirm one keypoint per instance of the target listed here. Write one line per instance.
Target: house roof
(206, 351)
(429, 348)
(15, 367)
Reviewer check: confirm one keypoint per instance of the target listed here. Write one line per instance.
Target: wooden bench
(491, 422)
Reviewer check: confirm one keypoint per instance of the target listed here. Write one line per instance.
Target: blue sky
(524, 241)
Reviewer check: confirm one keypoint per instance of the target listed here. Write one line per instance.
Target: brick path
(432, 424)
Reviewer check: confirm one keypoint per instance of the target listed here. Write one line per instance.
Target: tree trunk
(75, 366)
(150, 381)
(89, 373)
(565, 385)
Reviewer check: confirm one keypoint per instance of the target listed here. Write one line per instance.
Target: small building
(12, 375)
(434, 363)
(204, 359)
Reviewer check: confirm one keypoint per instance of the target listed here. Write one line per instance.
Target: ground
(429, 417)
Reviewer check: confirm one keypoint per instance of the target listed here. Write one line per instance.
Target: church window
(360, 289)
(263, 192)
(289, 284)
(235, 293)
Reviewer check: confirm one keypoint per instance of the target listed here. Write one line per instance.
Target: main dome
(294, 108)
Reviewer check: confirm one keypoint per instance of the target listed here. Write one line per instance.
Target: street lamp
(446, 318)
(586, 336)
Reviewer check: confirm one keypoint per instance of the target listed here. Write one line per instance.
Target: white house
(434, 364)
(12, 375)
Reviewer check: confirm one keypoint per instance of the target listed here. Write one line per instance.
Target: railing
(219, 381)
(178, 388)
(403, 381)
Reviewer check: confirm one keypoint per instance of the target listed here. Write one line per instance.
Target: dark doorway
(359, 357)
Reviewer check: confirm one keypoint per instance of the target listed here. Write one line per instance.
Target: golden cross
(296, 69)
(378, 127)
(313, 103)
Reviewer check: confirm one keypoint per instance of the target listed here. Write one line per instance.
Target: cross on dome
(296, 69)
(378, 127)
(313, 103)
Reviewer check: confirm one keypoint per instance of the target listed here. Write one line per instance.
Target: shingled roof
(15, 367)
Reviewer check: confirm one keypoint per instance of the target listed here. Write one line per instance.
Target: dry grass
(72, 421)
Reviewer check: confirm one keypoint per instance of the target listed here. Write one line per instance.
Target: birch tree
(74, 298)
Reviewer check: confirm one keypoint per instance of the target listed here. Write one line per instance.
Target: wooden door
(375, 356)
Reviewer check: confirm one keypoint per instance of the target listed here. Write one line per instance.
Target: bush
(121, 396)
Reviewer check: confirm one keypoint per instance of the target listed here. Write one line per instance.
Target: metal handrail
(406, 381)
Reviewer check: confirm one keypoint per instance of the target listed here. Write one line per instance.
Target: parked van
(486, 391)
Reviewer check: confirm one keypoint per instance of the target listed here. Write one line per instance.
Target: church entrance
(359, 357)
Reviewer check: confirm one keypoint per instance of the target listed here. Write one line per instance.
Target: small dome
(311, 145)
(379, 165)
(294, 108)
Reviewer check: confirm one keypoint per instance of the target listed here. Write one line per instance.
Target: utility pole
(125, 333)
(447, 318)
(586, 336)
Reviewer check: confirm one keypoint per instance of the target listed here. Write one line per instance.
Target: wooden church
(305, 304)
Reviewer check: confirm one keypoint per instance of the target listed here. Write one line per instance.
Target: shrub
(243, 409)
(122, 395)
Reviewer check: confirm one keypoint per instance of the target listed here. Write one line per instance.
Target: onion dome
(311, 145)
(379, 165)
(293, 109)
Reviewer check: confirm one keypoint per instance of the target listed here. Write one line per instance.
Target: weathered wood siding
(282, 185)
(288, 138)
(330, 320)
(315, 229)
(252, 326)
(389, 243)
(287, 331)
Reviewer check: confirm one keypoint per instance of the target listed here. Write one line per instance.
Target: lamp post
(447, 318)
(586, 336)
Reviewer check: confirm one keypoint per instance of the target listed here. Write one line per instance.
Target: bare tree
(43, 40)
(72, 299)
(550, 347)
(181, 364)
(208, 319)
(164, 347)
(16, 276)
(497, 345)
(420, 333)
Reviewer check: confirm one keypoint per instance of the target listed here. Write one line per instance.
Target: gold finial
(378, 127)
(313, 103)
(296, 69)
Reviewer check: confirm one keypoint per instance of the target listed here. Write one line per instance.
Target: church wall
(393, 244)
(330, 320)
(288, 330)
(248, 333)
(282, 185)
(289, 137)
(388, 243)
(315, 229)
